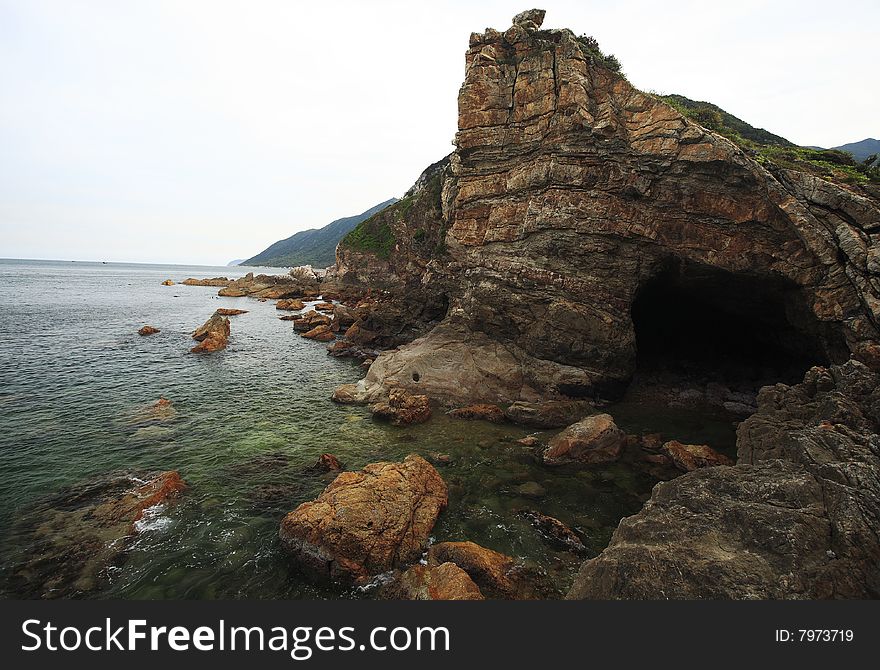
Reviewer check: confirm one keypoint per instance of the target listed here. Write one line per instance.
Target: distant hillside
(861, 150)
(237, 261)
(316, 246)
(706, 111)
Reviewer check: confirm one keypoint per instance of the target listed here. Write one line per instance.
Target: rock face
(797, 517)
(212, 335)
(365, 523)
(571, 196)
(596, 439)
(402, 408)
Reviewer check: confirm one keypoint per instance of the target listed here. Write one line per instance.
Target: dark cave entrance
(701, 322)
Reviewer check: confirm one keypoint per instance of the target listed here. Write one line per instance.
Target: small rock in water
(554, 532)
(167, 282)
(531, 490)
(529, 441)
(148, 330)
(327, 463)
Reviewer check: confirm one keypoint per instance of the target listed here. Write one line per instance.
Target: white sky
(201, 131)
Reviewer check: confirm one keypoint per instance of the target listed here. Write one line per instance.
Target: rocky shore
(583, 241)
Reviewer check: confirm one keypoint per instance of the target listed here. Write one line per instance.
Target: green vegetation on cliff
(775, 151)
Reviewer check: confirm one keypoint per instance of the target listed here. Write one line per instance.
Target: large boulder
(446, 581)
(596, 439)
(496, 574)
(213, 335)
(368, 522)
(548, 413)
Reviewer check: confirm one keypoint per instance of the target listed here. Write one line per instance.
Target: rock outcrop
(570, 195)
(483, 412)
(213, 335)
(227, 311)
(366, 523)
(270, 287)
(797, 517)
(214, 281)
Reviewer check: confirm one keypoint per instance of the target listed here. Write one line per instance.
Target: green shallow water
(76, 381)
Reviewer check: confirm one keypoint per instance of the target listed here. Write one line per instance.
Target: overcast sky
(201, 131)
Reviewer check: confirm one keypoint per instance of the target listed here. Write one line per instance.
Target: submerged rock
(446, 581)
(148, 330)
(402, 409)
(77, 534)
(213, 335)
(690, 457)
(548, 414)
(483, 411)
(366, 523)
(554, 532)
(596, 439)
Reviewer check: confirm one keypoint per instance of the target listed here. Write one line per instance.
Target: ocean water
(76, 385)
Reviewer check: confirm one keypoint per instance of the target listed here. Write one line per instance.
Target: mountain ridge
(315, 246)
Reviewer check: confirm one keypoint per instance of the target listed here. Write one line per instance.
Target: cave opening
(701, 322)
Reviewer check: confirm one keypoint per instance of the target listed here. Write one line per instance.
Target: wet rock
(226, 311)
(446, 581)
(212, 336)
(482, 411)
(327, 463)
(289, 317)
(402, 408)
(529, 441)
(290, 304)
(554, 532)
(270, 287)
(324, 306)
(215, 281)
(73, 537)
(548, 414)
(349, 394)
(690, 457)
(311, 320)
(368, 522)
(596, 439)
(148, 330)
(167, 282)
(497, 575)
(320, 333)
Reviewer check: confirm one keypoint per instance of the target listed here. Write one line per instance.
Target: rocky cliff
(585, 223)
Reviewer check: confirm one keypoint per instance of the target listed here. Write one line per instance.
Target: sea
(77, 384)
